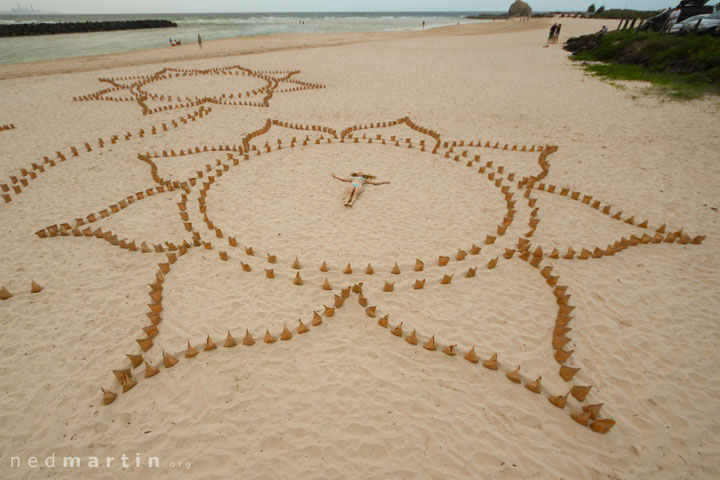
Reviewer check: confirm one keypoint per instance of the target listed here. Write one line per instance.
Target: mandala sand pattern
(454, 266)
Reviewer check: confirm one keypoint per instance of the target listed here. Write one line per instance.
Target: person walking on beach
(557, 33)
(353, 191)
(423, 25)
(552, 33)
(200, 41)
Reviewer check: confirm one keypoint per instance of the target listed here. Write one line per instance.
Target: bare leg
(356, 193)
(348, 194)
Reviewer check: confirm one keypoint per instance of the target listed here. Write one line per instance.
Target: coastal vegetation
(684, 67)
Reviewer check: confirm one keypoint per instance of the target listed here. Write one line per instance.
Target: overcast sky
(203, 6)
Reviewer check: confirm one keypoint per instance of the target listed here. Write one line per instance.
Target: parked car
(710, 23)
(688, 25)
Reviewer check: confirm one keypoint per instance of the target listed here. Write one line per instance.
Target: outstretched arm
(341, 179)
(371, 182)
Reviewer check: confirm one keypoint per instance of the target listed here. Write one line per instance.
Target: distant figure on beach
(552, 33)
(171, 42)
(200, 41)
(557, 33)
(603, 30)
(423, 25)
(355, 189)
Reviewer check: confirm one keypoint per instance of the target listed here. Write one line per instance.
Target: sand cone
(168, 360)
(412, 338)
(508, 253)
(285, 335)
(34, 287)
(329, 311)
(135, 360)
(270, 273)
(271, 258)
(249, 251)
(298, 279)
(471, 272)
(145, 343)
(223, 255)
(151, 330)
(317, 319)
(514, 376)
(559, 400)
(430, 345)
(268, 337)
(471, 356)
(339, 300)
(395, 270)
(108, 396)
(419, 284)
(150, 371)
(383, 322)
(345, 292)
(461, 254)
(362, 300)
(369, 270)
(419, 265)
(245, 266)
(296, 264)
(128, 382)
(326, 285)
(474, 250)
(357, 288)
(602, 426)
(446, 279)
(562, 355)
(570, 253)
(594, 410)
(370, 311)
(582, 418)
(229, 341)
(492, 362)
(535, 385)
(324, 267)
(347, 270)
(567, 373)
(442, 261)
(209, 344)
(302, 328)
(248, 340)
(489, 240)
(491, 264)
(580, 392)
(449, 350)
(191, 351)
(4, 294)
(389, 287)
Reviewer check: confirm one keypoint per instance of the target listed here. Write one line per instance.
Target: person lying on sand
(355, 188)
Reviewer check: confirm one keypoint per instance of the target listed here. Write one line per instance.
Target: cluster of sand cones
(6, 295)
(653, 234)
(457, 151)
(259, 97)
(7, 127)
(18, 183)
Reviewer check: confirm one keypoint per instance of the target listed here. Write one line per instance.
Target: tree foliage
(520, 9)
(591, 8)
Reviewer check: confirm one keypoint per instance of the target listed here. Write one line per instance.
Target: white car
(709, 23)
(687, 25)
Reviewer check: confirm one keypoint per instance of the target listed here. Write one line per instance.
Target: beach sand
(349, 399)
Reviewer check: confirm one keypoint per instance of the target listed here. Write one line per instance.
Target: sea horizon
(211, 26)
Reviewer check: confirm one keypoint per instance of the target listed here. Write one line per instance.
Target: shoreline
(229, 47)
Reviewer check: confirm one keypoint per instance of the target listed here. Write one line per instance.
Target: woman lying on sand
(355, 189)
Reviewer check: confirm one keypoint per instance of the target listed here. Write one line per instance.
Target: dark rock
(23, 29)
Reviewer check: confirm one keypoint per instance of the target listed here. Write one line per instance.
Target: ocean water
(209, 26)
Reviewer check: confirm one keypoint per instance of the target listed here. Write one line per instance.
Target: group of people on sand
(554, 33)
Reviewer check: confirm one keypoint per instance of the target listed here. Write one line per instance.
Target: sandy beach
(165, 201)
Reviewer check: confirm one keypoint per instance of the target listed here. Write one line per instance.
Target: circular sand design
(287, 203)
